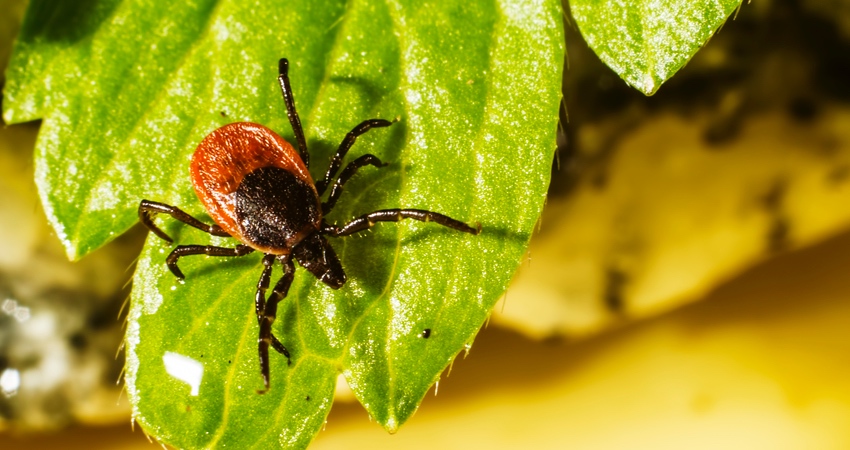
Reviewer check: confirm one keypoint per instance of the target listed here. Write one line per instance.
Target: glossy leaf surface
(647, 41)
(127, 90)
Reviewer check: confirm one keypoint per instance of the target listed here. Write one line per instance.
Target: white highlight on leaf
(185, 369)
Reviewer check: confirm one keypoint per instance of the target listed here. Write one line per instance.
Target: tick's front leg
(148, 209)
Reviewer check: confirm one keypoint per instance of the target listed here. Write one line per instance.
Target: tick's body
(255, 186)
(258, 190)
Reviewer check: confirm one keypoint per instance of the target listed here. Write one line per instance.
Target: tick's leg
(260, 299)
(346, 174)
(366, 221)
(263, 285)
(283, 78)
(186, 250)
(280, 291)
(147, 209)
(346, 144)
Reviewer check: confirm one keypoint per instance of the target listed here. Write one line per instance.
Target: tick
(259, 191)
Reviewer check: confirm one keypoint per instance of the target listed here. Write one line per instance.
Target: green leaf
(647, 41)
(128, 89)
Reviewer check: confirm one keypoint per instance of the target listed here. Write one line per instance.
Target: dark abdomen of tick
(275, 210)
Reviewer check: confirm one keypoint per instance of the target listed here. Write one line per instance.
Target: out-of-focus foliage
(647, 41)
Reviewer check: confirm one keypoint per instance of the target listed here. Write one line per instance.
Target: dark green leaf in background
(647, 41)
(127, 89)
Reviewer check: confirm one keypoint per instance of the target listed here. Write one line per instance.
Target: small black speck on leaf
(426, 333)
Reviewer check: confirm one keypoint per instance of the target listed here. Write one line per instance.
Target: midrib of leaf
(400, 32)
(339, 27)
(382, 296)
(473, 192)
(392, 421)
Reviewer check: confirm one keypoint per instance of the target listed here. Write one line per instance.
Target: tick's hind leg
(367, 221)
(269, 314)
(147, 210)
(346, 144)
(346, 174)
(209, 250)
